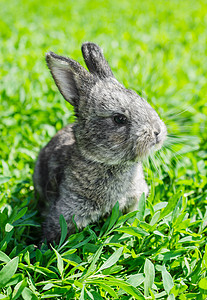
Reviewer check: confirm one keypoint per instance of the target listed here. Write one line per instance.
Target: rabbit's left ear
(70, 77)
(95, 60)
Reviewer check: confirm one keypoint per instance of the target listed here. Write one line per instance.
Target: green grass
(159, 49)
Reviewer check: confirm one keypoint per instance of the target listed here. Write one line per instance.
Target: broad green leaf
(4, 179)
(38, 256)
(79, 284)
(49, 296)
(40, 270)
(173, 254)
(135, 231)
(196, 271)
(172, 202)
(68, 252)
(193, 296)
(178, 289)
(182, 224)
(26, 223)
(203, 283)
(8, 271)
(20, 214)
(56, 291)
(94, 261)
(90, 248)
(48, 286)
(83, 295)
(151, 292)
(4, 257)
(155, 218)
(149, 272)
(4, 297)
(124, 218)
(89, 295)
(31, 283)
(160, 205)
(104, 227)
(64, 230)
(121, 284)
(114, 216)
(18, 289)
(60, 264)
(5, 166)
(141, 207)
(112, 270)
(131, 290)
(136, 279)
(15, 279)
(167, 280)
(27, 294)
(112, 259)
(177, 212)
(27, 257)
(108, 289)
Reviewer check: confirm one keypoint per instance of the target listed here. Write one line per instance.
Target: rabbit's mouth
(159, 137)
(158, 142)
(156, 146)
(152, 146)
(144, 153)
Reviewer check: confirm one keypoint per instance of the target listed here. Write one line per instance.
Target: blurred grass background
(157, 48)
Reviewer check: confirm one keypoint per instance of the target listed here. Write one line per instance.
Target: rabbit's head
(114, 124)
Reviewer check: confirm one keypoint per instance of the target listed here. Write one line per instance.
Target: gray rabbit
(90, 165)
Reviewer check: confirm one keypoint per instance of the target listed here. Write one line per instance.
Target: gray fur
(91, 164)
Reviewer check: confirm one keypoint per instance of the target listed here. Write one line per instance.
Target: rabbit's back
(50, 165)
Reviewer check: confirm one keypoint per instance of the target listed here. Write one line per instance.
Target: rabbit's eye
(120, 119)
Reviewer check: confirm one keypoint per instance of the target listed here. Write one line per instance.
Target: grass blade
(141, 207)
(60, 264)
(149, 272)
(112, 259)
(135, 231)
(64, 230)
(8, 271)
(167, 280)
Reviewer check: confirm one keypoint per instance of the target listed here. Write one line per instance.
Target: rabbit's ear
(70, 77)
(95, 60)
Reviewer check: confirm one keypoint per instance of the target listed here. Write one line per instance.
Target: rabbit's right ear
(95, 60)
(70, 77)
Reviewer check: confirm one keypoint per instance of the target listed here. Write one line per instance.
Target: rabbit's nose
(157, 130)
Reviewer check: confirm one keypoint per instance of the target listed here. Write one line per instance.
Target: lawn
(159, 49)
